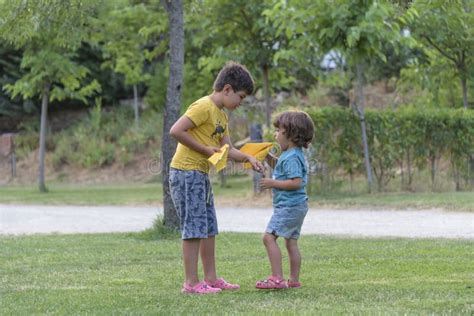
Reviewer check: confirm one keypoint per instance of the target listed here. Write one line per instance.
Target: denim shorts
(286, 221)
(193, 199)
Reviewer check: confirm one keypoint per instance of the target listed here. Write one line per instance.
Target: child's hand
(256, 165)
(266, 183)
(210, 150)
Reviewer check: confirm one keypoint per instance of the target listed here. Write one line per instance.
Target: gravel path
(434, 223)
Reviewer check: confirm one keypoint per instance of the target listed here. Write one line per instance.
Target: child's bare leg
(190, 258)
(295, 258)
(208, 258)
(274, 254)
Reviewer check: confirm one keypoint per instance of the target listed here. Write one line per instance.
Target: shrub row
(401, 141)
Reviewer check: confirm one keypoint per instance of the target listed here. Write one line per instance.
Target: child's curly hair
(237, 76)
(298, 126)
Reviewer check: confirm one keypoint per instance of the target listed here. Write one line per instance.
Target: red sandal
(294, 284)
(223, 285)
(271, 283)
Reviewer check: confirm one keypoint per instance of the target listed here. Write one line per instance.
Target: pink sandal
(271, 283)
(294, 284)
(223, 285)
(199, 288)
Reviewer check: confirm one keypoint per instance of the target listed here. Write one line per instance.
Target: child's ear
(227, 88)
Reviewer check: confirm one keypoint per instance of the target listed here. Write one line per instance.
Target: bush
(106, 136)
(400, 141)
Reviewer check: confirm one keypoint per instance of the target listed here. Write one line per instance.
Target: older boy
(201, 131)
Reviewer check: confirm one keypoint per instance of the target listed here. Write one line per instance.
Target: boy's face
(282, 140)
(232, 99)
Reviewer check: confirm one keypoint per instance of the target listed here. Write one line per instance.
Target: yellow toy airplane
(219, 160)
(257, 150)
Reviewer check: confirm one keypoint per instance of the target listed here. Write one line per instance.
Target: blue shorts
(286, 221)
(193, 199)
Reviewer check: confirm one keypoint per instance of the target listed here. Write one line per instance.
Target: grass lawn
(238, 191)
(120, 274)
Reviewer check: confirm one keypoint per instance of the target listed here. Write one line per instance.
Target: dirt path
(434, 223)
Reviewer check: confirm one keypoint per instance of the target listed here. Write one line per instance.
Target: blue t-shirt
(290, 165)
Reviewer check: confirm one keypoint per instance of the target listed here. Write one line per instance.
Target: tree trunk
(222, 177)
(456, 173)
(256, 137)
(464, 91)
(135, 106)
(402, 175)
(42, 147)
(471, 170)
(13, 162)
(266, 89)
(173, 102)
(351, 176)
(360, 110)
(409, 171)
(433, 170)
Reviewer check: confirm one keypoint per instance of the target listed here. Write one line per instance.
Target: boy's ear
(227, 88)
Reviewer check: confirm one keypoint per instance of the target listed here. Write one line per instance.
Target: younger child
(294, 130)
(201, 131)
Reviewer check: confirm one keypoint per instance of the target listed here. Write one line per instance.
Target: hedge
(400, 141)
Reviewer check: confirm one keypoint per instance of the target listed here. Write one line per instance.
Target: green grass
(237, 191)
(83, 195)
(116, 274)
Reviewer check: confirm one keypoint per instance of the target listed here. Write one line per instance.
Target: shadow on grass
(158, 232)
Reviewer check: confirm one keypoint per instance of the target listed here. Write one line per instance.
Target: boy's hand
(266, 183)
(256, 165)
(210, 150)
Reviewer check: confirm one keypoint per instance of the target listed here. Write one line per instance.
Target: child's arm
(290, 184)
(239, 156)
(179, 131)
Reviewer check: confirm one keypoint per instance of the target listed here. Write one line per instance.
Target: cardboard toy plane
(219, 160)
(257, 150)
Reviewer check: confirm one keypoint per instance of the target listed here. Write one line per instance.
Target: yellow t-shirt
(211, 125)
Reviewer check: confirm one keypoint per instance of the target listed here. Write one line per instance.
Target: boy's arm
(239, 156)
(179, 131)
(290, 184)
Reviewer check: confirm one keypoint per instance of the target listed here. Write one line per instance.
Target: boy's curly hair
(237, 76)
(298, 126)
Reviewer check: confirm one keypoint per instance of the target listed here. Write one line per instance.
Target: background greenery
(98, 61)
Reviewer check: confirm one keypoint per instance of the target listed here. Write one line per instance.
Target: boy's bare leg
(208, 258)
(295, 259)
(274, 254)
(190, 258)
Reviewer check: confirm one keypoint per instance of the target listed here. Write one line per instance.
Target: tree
(239, 30)
(173, 101)
(358, 28)
(448, 28)
(125, 34)
(49, 32)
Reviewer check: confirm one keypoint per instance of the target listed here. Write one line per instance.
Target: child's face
(232, 99)
(282, 140)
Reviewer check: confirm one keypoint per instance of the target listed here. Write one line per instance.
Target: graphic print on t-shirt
(219, 131)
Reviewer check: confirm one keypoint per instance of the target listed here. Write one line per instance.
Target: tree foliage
(49, 32)
(448, 28)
